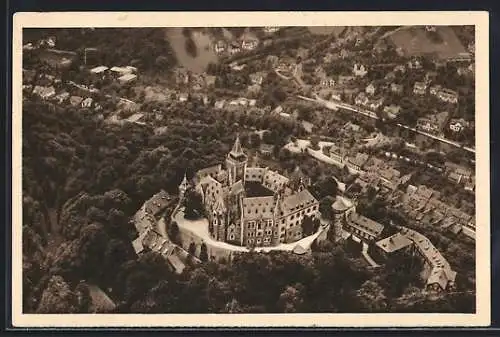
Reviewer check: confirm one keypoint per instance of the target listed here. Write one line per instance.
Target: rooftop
(98, 69)
(157, 203)
(256, 189)
(394, 243)
(341, 204)
(299, 199)
(366, 225)
(127, 77)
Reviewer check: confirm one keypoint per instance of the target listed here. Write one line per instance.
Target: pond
(205, 52)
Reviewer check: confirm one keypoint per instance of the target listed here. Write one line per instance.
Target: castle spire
(236, 150)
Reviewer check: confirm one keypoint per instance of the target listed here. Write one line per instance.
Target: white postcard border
(204, 19)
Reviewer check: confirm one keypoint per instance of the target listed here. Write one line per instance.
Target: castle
(252, 206)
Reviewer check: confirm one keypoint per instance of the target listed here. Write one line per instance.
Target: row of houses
(124, 75)
(49, 93)
(247, 42)
(372, 103)
(460, 174)
(437, 272)
(424, 204)
(444, 94)
(242, 101)
(149, 239)
(433, 123)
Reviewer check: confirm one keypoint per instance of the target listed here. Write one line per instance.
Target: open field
(416, 41)
(326, 30)
(205, 52)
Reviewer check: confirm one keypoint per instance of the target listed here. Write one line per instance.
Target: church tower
(236, 162)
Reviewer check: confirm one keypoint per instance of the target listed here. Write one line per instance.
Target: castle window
(258, 241)
(259, 225)
(231, 237)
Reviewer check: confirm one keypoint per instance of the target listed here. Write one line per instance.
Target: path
(199, 228)
(367, 256)
(161, 227)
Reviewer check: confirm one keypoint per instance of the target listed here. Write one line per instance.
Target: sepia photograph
(239, 169)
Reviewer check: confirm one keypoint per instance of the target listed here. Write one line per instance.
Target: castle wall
(294, 220)
(258, 220)
(255, 174)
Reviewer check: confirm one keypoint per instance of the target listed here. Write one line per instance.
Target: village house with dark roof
(363, 227)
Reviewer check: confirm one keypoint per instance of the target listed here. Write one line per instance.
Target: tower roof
(237, 151)
(184, 182)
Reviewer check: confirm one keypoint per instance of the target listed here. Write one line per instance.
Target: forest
(82, 182)
(145, 48)
(83, 179)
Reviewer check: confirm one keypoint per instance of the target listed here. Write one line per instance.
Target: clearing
(417, 41)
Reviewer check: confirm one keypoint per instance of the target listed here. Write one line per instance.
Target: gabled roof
(394, 243)
(298, 200)
(209, 170)
(237, 188)
(366, 225)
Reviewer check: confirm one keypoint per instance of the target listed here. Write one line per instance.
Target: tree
(193, 204)
(191, 48)
(192, 248)
(325, 207)
(203, 252)
(371, 297)
(326, 187)
(58, 298)
(162, 61)
(83, 295)
(255, 140)
(290, 299)
(307, 225)
(186, 32)
(173, 232)
(315, 143)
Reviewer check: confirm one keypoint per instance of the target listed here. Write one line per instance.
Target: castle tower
(342, 208)
(236, 162)
(183, 187)
(219, 220)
